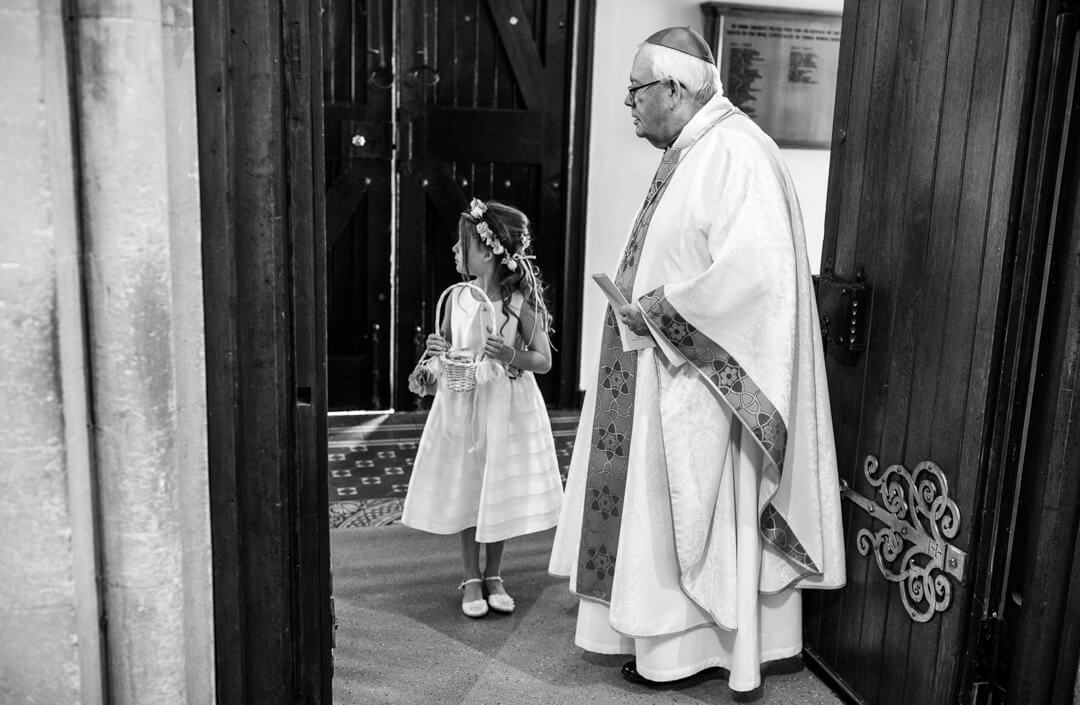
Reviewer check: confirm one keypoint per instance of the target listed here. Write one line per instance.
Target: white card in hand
(630, 340)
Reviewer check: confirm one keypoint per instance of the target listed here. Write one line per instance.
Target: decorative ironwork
(912, 548)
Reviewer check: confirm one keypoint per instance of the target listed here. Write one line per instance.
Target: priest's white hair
(699, 77)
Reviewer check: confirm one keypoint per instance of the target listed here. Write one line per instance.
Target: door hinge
(912, 548)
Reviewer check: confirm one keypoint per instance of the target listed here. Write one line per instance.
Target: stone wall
(104, 505)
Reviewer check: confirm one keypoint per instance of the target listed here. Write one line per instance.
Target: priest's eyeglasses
(633, 90)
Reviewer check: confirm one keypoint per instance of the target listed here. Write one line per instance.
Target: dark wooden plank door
(430, 103)
(484, 87)
(358, 86)
(925, 178)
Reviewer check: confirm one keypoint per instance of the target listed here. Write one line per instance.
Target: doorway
(263, 231)
(429, 103)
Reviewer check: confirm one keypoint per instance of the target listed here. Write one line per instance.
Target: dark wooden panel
(520, 45)
(921, 194)
(258, 199)
(928, 268)
(860, 26)
(311, 618)
(1045, 655)
(880, 249)
(975, 301)
(823, 608)
(472, 130)
(358, 148)
(997, 615)
(478, 135)
(1040, 598)
(222, 362)
(259, 183)
(573, 251)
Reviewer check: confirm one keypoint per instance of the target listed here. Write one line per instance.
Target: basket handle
(484, 299)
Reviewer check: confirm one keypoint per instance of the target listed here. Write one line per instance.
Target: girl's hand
(436, 344)
(495, 349)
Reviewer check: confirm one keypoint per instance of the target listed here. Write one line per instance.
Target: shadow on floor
(403, 640)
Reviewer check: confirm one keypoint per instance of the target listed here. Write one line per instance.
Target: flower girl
(486, 467)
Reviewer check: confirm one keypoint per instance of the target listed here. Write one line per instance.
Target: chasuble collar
(709, 113)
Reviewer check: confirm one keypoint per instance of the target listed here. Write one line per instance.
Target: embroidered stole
(613, 418)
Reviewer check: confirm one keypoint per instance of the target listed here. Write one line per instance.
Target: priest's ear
(676, 90)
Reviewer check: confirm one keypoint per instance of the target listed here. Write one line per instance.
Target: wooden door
(482, 92)
(358, 87)
(929, 200)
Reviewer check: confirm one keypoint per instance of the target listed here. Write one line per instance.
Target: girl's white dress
(486, 457)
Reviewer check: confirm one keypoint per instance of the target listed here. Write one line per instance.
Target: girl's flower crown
(477, 209)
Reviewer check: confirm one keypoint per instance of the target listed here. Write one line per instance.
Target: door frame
(261, 172)
(1033, 645)
(260, 128)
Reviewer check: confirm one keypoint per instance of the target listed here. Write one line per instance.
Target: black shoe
(782, 667)
(748, 696)
(630, 673)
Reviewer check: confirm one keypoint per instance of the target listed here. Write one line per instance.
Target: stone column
(136, 128)
(189, 345)
(105, 564)
(50, 651)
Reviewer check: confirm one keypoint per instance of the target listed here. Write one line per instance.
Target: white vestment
(731, 496)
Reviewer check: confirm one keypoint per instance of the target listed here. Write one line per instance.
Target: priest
(702, 496)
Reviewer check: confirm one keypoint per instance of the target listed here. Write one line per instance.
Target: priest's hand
(633, 319)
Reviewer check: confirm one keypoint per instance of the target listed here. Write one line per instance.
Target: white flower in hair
(477, 208)
(510, 263)
(526, 241)
(488, 237)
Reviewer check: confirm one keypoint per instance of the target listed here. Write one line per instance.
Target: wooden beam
(517, 38)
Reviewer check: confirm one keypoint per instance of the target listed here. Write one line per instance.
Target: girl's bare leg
(470, 558)
(492, 566)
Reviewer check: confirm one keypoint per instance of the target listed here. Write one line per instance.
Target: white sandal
(475, 608)
(500, 602)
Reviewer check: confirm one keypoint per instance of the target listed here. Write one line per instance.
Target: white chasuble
(730, 501)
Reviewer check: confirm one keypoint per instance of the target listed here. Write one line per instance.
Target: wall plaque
(779, 67)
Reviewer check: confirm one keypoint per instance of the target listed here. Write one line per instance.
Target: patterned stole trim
(613, 419)
(745, 397)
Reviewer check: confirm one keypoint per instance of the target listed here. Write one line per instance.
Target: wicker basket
(461, 376)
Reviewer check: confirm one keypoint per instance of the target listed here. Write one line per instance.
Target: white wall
(620, 164)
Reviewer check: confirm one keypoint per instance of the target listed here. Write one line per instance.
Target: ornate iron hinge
(911, 549)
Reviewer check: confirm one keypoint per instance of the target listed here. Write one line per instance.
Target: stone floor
(402, 639)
